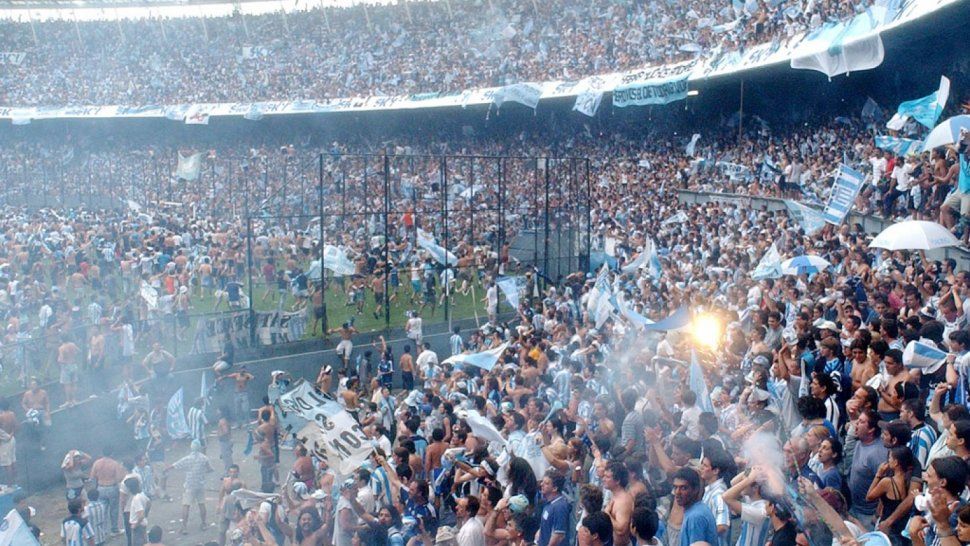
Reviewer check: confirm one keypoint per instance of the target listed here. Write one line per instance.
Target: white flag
(189, 166)
(588, 102)
(522, 93)
(770, 265)
(693, 144)
(14, 532)
(678, 218)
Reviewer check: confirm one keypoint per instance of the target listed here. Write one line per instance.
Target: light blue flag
(899, 146)
(699, 385)
(512, 288)
(926, 110)
(770, 265)
(810, 219)
(175, 417)
(677, 320)
(923, 354)
(204, 391)
(630, 314)
(485, 360)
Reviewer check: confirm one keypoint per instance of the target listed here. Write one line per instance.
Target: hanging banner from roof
(656, 91)
(522, 93)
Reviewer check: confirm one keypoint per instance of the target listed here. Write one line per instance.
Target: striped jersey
(197, 423)
(755, 523)
(75, 531)
(98, 520)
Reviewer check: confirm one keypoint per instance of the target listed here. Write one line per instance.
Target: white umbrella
(914, 235)
(804, 264)
(947, 132)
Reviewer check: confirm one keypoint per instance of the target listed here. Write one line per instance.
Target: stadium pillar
(387, 259)
(545, 244)
(535, 207)
(444, 219)
(323, 272)
(589, 216)
(741, 111)
(501, 214)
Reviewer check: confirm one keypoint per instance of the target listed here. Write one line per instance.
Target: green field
(40, 353)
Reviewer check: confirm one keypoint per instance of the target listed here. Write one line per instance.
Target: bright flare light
(706, 331)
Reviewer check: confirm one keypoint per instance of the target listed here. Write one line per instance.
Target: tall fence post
(446, 289)
(249, 276)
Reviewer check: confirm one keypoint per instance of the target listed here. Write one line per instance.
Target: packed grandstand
(638, 269)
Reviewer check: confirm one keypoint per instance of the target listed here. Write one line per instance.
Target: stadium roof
(99, 10)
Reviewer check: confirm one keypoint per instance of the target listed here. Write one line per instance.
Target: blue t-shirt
(831, 478)
(964, 180)
(555, 519)
(698, 526)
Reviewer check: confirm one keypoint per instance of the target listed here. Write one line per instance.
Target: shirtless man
(319, 311)
(241, 396)
(406, 364)
(889, 403)
(346, 346)
(67, 359)
(96, 358)
(8, 444)
(620, 509)
(35, 398)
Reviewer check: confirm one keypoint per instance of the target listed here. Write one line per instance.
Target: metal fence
(424, 233)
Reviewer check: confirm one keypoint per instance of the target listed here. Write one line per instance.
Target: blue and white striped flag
(925, 110)
(175, 417)
(923, 354)
(899, 146)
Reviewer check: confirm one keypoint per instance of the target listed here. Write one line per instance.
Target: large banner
(847, 185)
(12, 57)
(654, 91)
(329, 431)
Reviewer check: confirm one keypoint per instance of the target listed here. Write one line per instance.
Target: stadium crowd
(412, 47)
(816, 432)
(75, 276)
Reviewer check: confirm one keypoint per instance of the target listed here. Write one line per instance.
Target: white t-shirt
(491, 297)
(414, 327)
(139, 503)
(472, 533)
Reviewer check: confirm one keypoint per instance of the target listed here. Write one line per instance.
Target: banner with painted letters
(522, 93)
(12, 57)
(848, 182)
(653, 91)
(329, 431)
